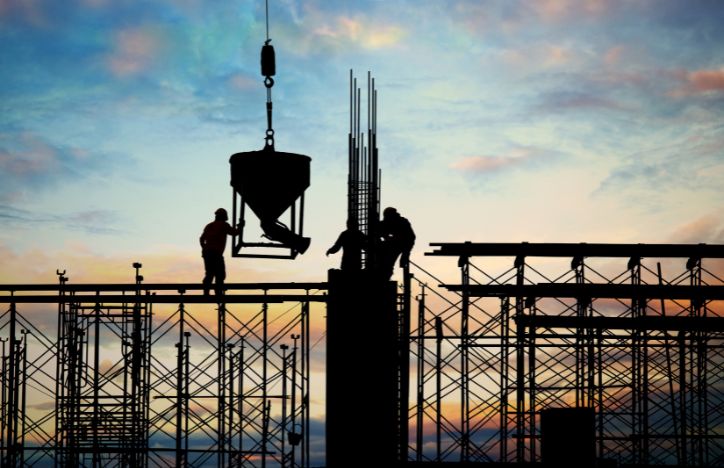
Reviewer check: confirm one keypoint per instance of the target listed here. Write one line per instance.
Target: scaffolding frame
(234, 391)
(225, 380)
(512, 338)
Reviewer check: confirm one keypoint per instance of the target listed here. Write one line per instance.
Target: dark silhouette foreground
(351, 241)
(398, 238)
(213, 243)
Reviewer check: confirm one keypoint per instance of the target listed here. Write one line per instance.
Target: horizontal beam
(659, 323)
(160, 299)
(132, 287)
(592, 291)
(570, 250)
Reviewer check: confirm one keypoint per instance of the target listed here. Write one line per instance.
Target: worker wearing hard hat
(213, 243)
(398, 238)
(352, 241)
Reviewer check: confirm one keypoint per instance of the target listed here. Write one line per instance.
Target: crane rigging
(271, 184)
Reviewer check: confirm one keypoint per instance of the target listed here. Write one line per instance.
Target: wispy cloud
(490, 164)
(134, 51)
(90, 221)
(29, 163)
(29, 11)
(707, 229)
(695, 163)
(357, 31)
(571, 100)
(697, 82)
(560, 10)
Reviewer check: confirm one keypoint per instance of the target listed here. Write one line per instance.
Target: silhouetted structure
(136, 390)
(366, 296)
(270, 183)
(363, 177)
(361, 396)
(213, 244)
(398, 238)
(561, 326)
(643, 349)
(567, 437)
(351, 241)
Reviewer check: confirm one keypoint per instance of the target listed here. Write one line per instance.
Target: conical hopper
(269, 181)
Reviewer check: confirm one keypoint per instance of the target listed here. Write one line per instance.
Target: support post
(361, 380)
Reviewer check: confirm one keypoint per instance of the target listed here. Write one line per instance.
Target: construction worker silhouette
(213, 243)
(398, 238)
(352, 241)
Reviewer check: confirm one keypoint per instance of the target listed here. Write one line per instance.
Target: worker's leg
(208, 272)
(220, 275)
(404, 259)
(388, 255)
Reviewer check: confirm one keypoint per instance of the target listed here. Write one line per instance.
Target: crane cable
(267, 21)
(268, 69)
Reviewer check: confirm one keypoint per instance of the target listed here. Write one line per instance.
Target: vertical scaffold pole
(96, 385)
(230, 440)
(504, 366)
(519, 366)
(438, 388)
(670, 373)
(420, 373)
(464, 264)
(531, 388)
(221, 362)
(180, 456)
(11, 415)
(264, 389)
(285, 369)
(404, 366)
(306, 365)
(23, 389)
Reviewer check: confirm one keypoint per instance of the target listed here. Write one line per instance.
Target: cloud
(704, 81)
(359, 31)
(244, 81)
(577, 100)
(91, 221)
(559, 10)
(29, 11)
(539, 57)
(517, 157)
(613, 55)
(30, 163)
(135, 50)
(694, 163)
(706, 229)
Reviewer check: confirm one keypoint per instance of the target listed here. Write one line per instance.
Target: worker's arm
(202, 238)
(232, 231)
(337, 245)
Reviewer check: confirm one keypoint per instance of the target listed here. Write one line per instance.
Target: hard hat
(389, 212)
(221, 213)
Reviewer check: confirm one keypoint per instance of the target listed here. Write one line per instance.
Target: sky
(499, 121)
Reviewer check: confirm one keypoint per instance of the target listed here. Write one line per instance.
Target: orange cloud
(707, 80)
(613, 55)
(243, 82)
(37, 156)
(556, 10)
(135, 50)
(540, 55)
(359, 32)
(708, 229)
(482, 163)
(487, 164)
(699, 82)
